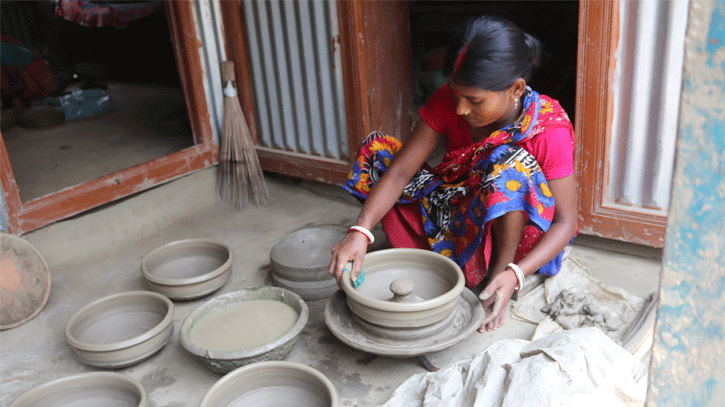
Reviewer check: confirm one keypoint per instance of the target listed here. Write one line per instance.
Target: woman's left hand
(495, 298)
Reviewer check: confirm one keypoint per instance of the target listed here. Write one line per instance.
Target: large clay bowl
(245, 326)
(299, 261)
(188, 269)
(108, 389)
(121, 329)
(437, 279)
(25, 278)
(272, 384)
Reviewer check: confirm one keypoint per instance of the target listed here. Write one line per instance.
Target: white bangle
(519, 275)
(364, 231)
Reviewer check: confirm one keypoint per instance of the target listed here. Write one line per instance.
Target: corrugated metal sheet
(208, 24)
(648, 80)
(297, 76)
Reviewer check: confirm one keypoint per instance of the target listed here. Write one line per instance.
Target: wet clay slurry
(243, 326)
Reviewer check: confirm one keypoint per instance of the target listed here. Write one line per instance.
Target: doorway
(127, 67)
(161, 89)
(554, 23)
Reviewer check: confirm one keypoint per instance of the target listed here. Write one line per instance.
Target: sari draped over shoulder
(457, 199)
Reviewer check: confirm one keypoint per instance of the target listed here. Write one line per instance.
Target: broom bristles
(241, 179)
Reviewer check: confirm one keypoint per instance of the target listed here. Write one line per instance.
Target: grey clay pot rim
(106, 347)
(190, 280)
(229, 379)
(203, 309)
(78, 381)
(381, 305)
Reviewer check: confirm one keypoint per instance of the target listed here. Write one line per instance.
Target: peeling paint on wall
(688, 357)
(3, 211)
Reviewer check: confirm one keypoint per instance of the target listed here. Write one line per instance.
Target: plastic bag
(83, 103)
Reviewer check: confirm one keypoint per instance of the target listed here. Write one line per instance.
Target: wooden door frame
(38, 212)
(277, 161)
(364, 40)
(598, 40)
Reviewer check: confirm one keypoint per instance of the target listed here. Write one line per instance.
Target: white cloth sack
(580, 367)
(634, 316)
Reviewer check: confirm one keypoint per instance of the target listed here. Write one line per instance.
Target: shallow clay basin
(272, 384)
(188, 269)
(121, 329)
(437, 283)
(245, 326)
(107, 389)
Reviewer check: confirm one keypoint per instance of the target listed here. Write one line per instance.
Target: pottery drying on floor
(107, 389)
(24, 281)
(400, 343)
(188, 269)
(244, 326)
(272, 384)
(122, 329)
(428, 284)
(300, 260)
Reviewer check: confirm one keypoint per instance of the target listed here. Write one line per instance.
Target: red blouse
(553, 149)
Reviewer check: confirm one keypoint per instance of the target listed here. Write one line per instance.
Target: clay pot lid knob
(402, 289)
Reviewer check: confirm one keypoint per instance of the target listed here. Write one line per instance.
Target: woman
(503, 203)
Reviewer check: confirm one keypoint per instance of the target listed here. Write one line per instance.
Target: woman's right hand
(352, 248)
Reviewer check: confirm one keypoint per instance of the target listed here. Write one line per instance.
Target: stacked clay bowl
(272, 384)
(122, 329)
(188, 269)
(107, 389)
(299, 261)
(245, 326)
(406, 294)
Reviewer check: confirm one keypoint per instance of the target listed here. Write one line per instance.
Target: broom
(240, 176)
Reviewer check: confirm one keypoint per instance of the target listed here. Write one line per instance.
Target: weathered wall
(3, 211)
(688, 359)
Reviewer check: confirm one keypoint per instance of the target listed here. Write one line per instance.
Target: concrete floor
(150, 122)
(99, 254)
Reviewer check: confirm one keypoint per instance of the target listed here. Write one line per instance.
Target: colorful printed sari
(472, 186)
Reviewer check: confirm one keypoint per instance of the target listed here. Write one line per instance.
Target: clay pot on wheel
(405, 288)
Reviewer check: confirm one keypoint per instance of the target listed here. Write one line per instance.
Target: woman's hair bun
(491, 53)
(534, 46)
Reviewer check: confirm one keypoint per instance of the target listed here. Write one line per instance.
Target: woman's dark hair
(490, 53)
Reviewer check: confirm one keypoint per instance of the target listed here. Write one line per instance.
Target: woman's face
(485, 108)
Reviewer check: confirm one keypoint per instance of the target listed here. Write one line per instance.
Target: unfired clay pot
(219, 335)
(403, 342)
(299, 261)
(121, 329)
(427, 287)
(272, 384)
(188, 269)
(107, 389)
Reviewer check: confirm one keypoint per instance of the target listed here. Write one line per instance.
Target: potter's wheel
(467, 318)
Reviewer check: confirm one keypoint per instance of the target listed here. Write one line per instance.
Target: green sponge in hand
(360, 278)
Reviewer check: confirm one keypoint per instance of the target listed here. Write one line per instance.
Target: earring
(516, 104)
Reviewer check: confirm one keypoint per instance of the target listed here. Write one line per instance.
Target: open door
(29, 214)
(598, 215)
